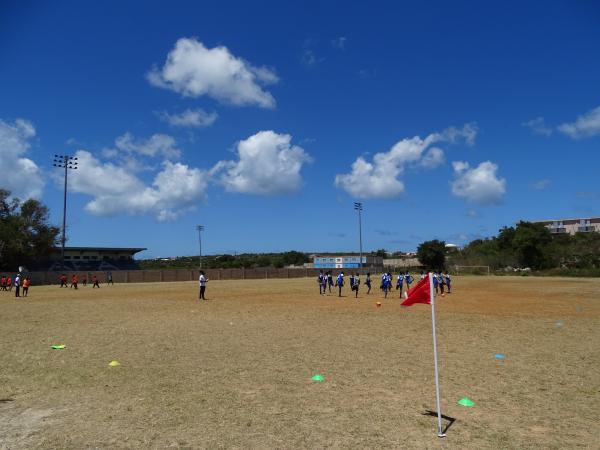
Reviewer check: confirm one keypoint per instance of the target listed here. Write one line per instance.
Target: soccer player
(95, 282)
(355, 283)
(440, 280)
(84, 280)
(26, 283)
(400, 283)
(74, 281)
(339, 282)
(320, 280)
(409, 279)
(447, 280)
(202, 280)
(109, 279)
(9, 283)
(368, 282)
(329, 280)
(3, 283)
(435, 282)
(63, 280)
(423, 275)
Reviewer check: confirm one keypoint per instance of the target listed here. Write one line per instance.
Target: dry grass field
(235, 371)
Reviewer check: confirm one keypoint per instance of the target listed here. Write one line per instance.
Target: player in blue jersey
(339, 282)
(400, 283)
(447, 280)
(368, 283)
(321, 279)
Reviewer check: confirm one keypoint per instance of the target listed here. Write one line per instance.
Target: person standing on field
(109, 279)
(321, 282)
(17, 285)
(368, 283)
(330, 280)
(95, 281)
(202, 282)
(340, 283)
(355, 284)
(26, 283)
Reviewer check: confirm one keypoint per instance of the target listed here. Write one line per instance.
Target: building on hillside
(94, 258)
(572, 226)
(346, 262)
(401, 263)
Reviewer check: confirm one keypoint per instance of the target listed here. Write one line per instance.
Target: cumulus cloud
(433, 158)
(175, 188)
(193, 70)
(193, 118)
(156, 145)
(20, 175)
(586, 125)
(480, 184)
(379, 178)
(538, 126)
(267, 164)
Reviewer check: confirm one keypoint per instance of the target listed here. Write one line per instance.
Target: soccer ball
(378, 304)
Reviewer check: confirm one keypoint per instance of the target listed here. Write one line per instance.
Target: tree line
(26, 238)
(526, 245)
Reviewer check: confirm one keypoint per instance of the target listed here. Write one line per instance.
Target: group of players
(441, 282)
(19, 282)
(75, 281)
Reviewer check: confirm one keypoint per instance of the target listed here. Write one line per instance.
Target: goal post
(472, 270)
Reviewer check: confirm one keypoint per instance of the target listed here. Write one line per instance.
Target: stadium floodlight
(200, 229)
(68, 163)
(358, 207)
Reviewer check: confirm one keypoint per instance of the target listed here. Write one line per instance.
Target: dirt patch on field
(235, 371)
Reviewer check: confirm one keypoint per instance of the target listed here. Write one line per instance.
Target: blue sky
(266, 121)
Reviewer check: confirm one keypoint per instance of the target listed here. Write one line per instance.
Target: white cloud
(586, 125)
(20, 175)
(196, 118)
(538, 126)
(433, 158)
(267, 164)
(541, 184)
(480, 184)
(193, 70)
(156, 145)
(175, 189)
(379, 178)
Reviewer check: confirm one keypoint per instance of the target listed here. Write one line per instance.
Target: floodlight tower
(358, 207)
(200, 229)
(68, 163)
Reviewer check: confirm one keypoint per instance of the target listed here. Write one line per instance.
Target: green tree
(26, 238)
(380, 252)
(531, 242)
(432, 254)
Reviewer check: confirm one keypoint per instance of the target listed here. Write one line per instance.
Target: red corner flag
(420, 293)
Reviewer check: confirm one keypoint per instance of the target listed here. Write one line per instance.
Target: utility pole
(68, 163)
(200, 229)
(358, 207)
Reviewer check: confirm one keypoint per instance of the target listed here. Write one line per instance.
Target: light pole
(358, 206)
(64, 162)
(200, 229)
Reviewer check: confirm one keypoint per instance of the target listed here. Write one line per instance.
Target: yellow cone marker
(114, 363)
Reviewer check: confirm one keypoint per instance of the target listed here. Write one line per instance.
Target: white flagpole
(435, 358)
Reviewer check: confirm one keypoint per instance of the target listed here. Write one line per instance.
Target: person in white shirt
(202, 281)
